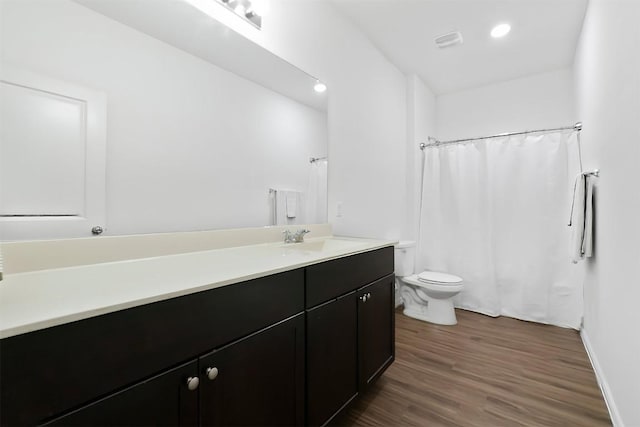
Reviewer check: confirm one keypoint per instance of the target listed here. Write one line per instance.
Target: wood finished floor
(483, 372)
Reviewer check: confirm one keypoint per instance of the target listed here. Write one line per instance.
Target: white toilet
(429, 295)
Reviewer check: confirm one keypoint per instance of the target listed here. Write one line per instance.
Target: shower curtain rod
(433, 142)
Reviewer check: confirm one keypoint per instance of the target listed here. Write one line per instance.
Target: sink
(324, 245)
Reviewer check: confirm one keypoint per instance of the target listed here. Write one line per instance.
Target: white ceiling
(543, 37)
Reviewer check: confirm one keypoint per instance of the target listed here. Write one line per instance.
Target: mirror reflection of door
(52, 146)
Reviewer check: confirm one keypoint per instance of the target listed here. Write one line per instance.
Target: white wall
(190, 146)
(421, 123)
(367, 112)
(607, 69)
(539, 101)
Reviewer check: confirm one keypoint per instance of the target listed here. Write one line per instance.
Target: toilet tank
(404, 257)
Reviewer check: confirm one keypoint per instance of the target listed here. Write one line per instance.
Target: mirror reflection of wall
(291, 207)
(189, 145)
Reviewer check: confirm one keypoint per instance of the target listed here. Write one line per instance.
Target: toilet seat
(454, 285)
(439, 278)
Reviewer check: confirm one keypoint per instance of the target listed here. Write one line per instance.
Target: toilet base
(438, 311)
(398, 292)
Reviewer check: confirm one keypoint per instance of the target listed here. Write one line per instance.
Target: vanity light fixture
(319, 86)
(500, 30)
(239, 9)
(259, 7)
(249, 10)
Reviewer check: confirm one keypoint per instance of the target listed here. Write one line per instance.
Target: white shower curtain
(495, 212)
(317, 193)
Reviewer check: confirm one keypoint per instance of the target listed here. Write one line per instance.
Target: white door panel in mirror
(42, 141)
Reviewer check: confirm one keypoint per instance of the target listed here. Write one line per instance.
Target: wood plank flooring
(483, 372)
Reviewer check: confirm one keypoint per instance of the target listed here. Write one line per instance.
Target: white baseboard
(602, 381)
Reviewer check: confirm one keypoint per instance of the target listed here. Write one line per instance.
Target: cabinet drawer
(334, 278)
(46, 372)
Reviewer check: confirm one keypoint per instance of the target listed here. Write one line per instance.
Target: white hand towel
(576, 222)
(587, 241)
(581, 221)
(291, 203)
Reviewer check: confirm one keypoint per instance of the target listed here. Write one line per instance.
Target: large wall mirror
(150, 116)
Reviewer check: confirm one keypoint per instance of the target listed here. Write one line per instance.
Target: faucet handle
(299, 235)
(288, 236)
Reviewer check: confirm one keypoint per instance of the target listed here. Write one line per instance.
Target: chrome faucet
(297, 237)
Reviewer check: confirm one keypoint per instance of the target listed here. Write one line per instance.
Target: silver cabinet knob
(368, 295)
(212, 373)
(193, 383)
(97, 230)
(363, 298)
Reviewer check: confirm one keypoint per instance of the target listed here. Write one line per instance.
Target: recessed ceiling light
(320, 87)
(500, 30)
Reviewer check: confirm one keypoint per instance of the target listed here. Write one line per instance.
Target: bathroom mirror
(133, 117)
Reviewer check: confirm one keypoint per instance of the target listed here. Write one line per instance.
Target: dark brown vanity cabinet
(350, 329)
(291, 348)
(125, 362)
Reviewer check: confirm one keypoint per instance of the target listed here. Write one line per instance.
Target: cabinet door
(332, 358)
(164, 400)
(258, 380)
(376, 324)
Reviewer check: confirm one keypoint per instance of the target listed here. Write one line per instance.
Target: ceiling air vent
(450, 39)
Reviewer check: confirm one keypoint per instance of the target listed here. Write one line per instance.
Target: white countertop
(40, 299)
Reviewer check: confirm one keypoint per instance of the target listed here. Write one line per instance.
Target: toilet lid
(440, 278)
